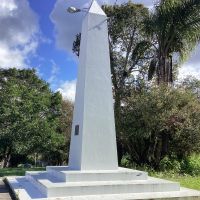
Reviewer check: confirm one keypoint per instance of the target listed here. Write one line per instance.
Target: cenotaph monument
(93, 144)
(93, 172)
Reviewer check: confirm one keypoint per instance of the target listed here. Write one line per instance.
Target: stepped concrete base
(122, 184)
(67, 175)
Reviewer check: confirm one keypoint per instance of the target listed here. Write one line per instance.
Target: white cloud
(19, 33)
(9, 57)
(53, 78)
(190, 70)
(192, 67)
(54, 72)
(68, 90)
(7, 8)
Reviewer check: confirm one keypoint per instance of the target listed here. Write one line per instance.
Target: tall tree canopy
(29, 114)
(174, 28)
(160, 122)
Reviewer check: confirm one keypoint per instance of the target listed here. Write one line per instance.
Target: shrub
(170, 164)
(191, 165)
(160, 122)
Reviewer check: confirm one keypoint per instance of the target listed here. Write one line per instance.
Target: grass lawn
(17, 171)
(192, 182)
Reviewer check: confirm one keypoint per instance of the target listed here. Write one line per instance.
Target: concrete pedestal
(62, 183)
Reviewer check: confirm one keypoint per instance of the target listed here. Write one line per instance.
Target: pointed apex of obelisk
(95, 8)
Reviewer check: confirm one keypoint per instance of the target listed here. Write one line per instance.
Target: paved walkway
(4, 193)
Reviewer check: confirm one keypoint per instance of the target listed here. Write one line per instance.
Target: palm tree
(174, 26)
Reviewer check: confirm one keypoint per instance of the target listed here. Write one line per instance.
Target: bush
(126, 162)
(191, 165)
(170, 164)
(160, 122)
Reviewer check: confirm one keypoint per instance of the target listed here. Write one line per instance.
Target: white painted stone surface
(64, 189)
(25, 190)
(121, 174)
(99, 182)
(95, 146)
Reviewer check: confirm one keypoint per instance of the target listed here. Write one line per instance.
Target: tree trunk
(164, 71)
(157, 154)
(162, 67)
(6, 158)
(117, 109)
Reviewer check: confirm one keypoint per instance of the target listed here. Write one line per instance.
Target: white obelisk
(93, 138)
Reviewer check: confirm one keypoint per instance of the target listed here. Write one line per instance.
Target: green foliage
(29, 114)
(129, 48)
(126, 162)
(129, 53)
(159, 122)
(191, 165)
(170, 164)
(174, 27)
(66, 124)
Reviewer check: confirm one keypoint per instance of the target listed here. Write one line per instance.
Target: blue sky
(56, 65)
(39, 34)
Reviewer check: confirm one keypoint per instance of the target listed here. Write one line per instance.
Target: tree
(58, 154)
(29, 114)
(66, 124)
(160, 122)
(193, 84)
(129, 53)
(174, 28)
